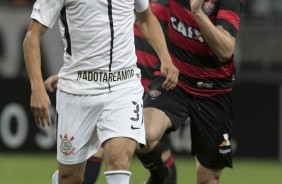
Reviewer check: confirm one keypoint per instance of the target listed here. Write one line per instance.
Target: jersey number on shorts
(137, 117)
(136, 111)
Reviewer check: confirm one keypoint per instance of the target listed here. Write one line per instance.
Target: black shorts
(211, 120)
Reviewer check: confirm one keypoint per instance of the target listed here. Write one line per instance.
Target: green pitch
(38, 169)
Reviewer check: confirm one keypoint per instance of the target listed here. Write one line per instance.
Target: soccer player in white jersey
(99, 96)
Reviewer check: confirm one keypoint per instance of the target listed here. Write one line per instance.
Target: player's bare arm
(39, 101)
(153, 33)
(218, 39)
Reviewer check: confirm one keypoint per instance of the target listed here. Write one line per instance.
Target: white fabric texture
(86, 121)
(118, 176)
(106, 45)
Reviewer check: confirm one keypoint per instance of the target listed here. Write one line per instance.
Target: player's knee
(211, 179)
(152, 136)
(207, 176)
(120, 164)
(119, 161)
(71, 178)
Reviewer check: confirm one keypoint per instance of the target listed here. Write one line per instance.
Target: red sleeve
(228, 15)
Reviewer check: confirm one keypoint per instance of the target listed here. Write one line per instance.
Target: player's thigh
(164, 110)
(76, 130)
(122, 116)
(156, 123)
(70, 173)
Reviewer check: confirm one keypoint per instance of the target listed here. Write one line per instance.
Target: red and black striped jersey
(146, 56)
(201, 73)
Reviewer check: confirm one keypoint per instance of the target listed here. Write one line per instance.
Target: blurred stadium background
(27, 153)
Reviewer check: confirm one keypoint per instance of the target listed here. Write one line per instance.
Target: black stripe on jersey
(142, 45)
(163, 24)
(229, 5)
(162, 2)
(232, 5)
(110, 14)
(158, 66)
(227, 26)
(207, 84)
(184, 3)
(67, 33)
(193, 59)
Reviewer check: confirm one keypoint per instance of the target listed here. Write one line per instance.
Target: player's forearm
(153, 33)
(32, 59)
(219, 40)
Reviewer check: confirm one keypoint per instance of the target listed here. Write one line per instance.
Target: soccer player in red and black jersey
(201, 39)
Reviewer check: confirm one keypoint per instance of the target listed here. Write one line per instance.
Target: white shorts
(86, 121)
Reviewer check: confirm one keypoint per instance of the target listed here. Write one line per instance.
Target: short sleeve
(141, 5)
(47, 11)
(229, 16)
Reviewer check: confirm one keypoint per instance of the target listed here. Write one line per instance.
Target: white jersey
(99, 51)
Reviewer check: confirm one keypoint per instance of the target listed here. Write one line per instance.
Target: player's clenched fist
(171, 74)
(196, 5)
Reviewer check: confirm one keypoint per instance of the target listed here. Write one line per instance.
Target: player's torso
(183, 28)
(99, 46)
(201, 72)
(97, 33)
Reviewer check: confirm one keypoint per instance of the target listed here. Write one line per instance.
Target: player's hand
(196, 5)
(40, 104)
(171, 73)
(51, 83)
